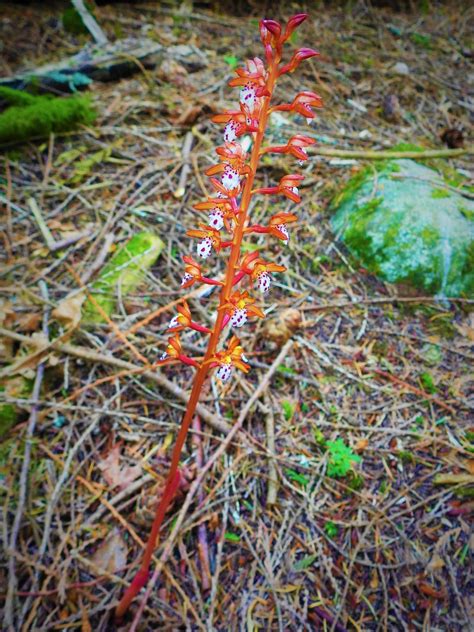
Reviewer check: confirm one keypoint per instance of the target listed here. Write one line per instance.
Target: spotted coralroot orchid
(221, 234)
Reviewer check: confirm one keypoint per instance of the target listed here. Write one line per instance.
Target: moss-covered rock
(406, 224)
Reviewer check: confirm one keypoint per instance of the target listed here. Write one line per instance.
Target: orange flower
(295, 146)
(260, 274)
(192, 272)
(221, 212)
(240, 307)
(302, 104)
(229, 358)
(278, 224)
(287, 187)
(182, 320)
(209, 239)
(173, 350)
(298, 56)
(255, 72)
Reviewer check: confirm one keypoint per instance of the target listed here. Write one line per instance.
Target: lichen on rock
(406, 224)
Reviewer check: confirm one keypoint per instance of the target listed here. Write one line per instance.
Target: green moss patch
(127, 269)
(29, 116)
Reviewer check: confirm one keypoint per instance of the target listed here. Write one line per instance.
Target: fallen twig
(210, 418)
(23, 481)
(390, 155)
(272, 489)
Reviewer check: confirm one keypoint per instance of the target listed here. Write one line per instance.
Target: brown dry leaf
(435, 564)
(430, 591)
(374, 581)
(25, 364)
(173, 72)
(192, 113)
(111, 556)
(362, 444)
(469, 466)
(280, 329)
(68, 311)
(27, 322)
(7, 314)
(114, 473)
(56, 224)
(85, 622)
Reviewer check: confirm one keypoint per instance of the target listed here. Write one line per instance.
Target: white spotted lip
(283, 229)
(204, 247)
(216, 219)
(263, 282)
(174, 322)
(230, 179)
(230, 132)
(224, 372)
(248, 96)
(238, 318)
(186, 277)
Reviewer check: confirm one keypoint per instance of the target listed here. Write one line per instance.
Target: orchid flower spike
(229, 207)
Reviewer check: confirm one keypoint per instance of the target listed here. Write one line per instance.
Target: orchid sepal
(298, 57)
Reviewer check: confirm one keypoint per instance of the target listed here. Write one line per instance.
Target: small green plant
(288, 410)
(331, 529)
(406, 457)
(232, 61)
(341, 458)
(427, 381)
(296, 477)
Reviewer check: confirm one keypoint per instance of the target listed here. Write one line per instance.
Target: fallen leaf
(374, 581)
(25, 364)
(68, 311)
(454, 479)
(7, 314)
(280, 329)
(430, 591)
(111, 556)
(27, 322)
(436, 563)
(114, 473)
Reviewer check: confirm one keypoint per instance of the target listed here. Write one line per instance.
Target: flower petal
(204, 248)
(224, 372)
(263, 282)
(216, 219)
(239, 317)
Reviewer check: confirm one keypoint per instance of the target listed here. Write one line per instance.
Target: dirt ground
(289, 547)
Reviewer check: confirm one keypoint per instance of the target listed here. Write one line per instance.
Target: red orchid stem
(172, 480)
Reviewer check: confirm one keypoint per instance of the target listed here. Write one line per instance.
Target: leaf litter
(387, 545)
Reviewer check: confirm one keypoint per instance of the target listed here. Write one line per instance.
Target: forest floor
(389, 545)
